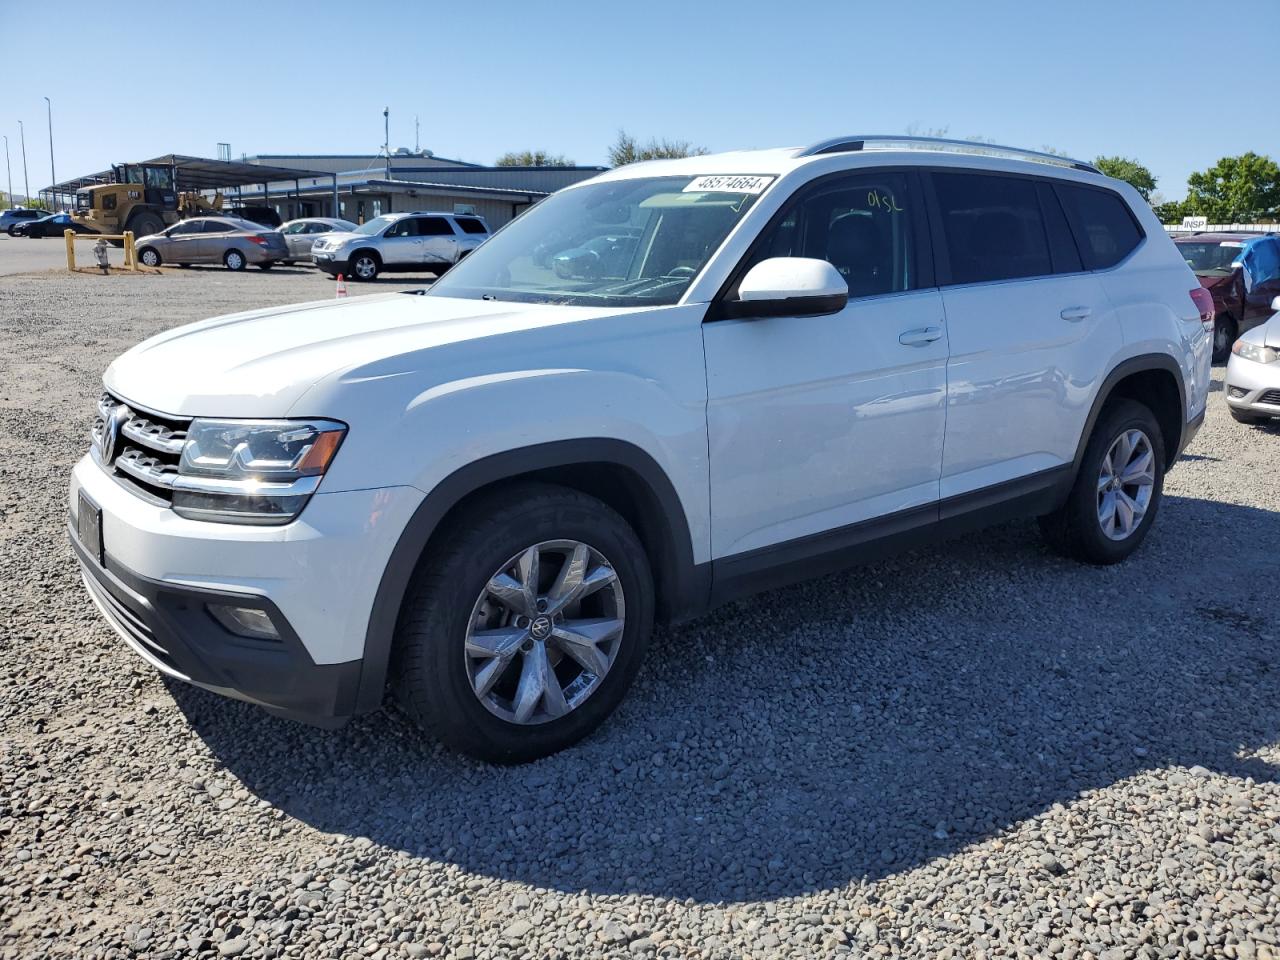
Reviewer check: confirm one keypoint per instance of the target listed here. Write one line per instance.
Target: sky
(1149, 80)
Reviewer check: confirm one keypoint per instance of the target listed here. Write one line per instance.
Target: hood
(258, 364)
(336, 238)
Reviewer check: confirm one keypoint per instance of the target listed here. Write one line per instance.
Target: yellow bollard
(130, 253)
(70, 236)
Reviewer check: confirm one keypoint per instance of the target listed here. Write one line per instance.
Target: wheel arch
(617, 472)
(1154, 380)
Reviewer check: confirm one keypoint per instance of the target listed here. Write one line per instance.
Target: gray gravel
(978, 750)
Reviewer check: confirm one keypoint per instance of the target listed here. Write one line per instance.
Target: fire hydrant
(100, 254)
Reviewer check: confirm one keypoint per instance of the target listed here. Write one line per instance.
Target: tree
(626, 149)
(1130, 171)
(1172, 211)
(533, 158)
(1243, 189)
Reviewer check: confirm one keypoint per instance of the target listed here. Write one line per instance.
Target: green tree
(1130, 171)
(1172, 211)
(626, 149)
(533, 158)
(1243, 189)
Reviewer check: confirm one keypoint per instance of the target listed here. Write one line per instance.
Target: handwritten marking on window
(882, 201)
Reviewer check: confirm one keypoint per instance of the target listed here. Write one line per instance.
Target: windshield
(623, 243)
(373, 227)
(1212, 257)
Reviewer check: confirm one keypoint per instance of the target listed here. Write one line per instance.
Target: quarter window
(1104, 226)
(860, 225)
(993, 226)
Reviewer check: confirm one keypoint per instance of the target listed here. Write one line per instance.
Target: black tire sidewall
(1126, 415)
(445, 698)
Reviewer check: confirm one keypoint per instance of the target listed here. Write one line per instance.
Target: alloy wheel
(544, 632)
(1126, 482)
(366, 269)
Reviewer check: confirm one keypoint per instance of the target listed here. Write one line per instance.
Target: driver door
(401, 245)
(821, 427)
(183, 242)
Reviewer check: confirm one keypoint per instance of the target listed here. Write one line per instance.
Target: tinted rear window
(1105, 229)
(470, 225)
(993, 227)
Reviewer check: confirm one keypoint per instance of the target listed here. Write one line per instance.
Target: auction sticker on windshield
(729, 183)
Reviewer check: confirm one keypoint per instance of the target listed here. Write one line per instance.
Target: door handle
(1075, 314)
(921, 336)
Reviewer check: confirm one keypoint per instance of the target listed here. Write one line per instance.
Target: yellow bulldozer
(142, 197)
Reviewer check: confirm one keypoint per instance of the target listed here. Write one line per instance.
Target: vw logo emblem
(111, 427)
(540, 628)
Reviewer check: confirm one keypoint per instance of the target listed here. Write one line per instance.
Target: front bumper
(1252, 388)
(317, 577)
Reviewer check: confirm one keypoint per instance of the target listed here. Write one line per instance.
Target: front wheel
(1117, 491)
(525, 627)
(149, 257)
(233, 260)
(365, 266)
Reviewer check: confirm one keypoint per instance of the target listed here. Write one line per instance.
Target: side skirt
(814, 556)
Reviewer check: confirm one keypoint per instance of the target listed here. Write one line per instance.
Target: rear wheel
(149, 257)
(1117, 491)
(1224, 335)
(365, 266)
(233, 260)
(526, 626)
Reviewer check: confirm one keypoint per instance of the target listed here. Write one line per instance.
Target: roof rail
(855, 143)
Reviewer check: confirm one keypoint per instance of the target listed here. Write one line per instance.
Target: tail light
(1203, 300)
(262, 242)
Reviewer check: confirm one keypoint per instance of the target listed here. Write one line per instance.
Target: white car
(486, 496)
(416, 242)
(1252, 383)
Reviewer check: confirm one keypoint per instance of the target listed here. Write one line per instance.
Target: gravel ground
(978, 750)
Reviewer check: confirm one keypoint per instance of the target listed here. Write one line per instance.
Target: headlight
(1254, 351)
(253, 471)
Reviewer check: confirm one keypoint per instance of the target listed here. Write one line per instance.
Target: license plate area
(89, 527)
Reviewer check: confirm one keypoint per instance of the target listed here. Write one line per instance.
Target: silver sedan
(226, 240)
(301, 234)
(1252, 383)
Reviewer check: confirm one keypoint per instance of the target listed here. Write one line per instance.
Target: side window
(296, 228)
(1062, 245)
(860, 225)
(217, 226)
(471, 225)
(187, 226)
(434, 227)
(1104, 226)
(993, 227)
(408, 227)
(318, 228)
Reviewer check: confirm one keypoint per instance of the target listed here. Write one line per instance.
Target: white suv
(406, 242)
(789, 360)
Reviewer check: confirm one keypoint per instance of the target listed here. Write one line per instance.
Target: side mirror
(790, 287)
(1275, 304)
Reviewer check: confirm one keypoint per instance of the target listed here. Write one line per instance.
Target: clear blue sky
(1151, 80)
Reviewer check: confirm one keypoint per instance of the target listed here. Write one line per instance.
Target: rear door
(296, 236)
(1027, 326)
(440, 242)
(215, 240)
(401, 246)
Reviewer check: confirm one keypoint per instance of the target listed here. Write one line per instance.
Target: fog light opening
(249, 622)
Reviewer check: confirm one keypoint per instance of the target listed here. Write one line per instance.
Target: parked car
(404, 242)
(18, 216)
(1241, 301)
(233, 243)
(266, 216)
(301, 234)
(486, 495)
(605, 255)
(1252, 383)
(53, 225)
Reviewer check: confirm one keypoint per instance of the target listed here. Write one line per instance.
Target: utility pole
(7, 168)
(417, 147)
(26, 187)
(54, 177)
(386, 133)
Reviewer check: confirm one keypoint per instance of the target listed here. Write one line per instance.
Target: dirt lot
(978, 750)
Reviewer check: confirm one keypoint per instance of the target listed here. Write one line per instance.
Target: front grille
(1271, 396)
(145, 449)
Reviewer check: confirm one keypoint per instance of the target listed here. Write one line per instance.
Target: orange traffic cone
(342, 287)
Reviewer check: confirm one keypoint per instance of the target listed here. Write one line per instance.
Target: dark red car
(1240, 306)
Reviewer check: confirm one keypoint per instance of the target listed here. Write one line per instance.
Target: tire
(233, 260)
(266, 264)
(1224, 335)
(1239, 416)
(144, 225)
(150, 257)
(1076, 529)
(364, 266)
(184, 266)
(12, 230)
(434, 679)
